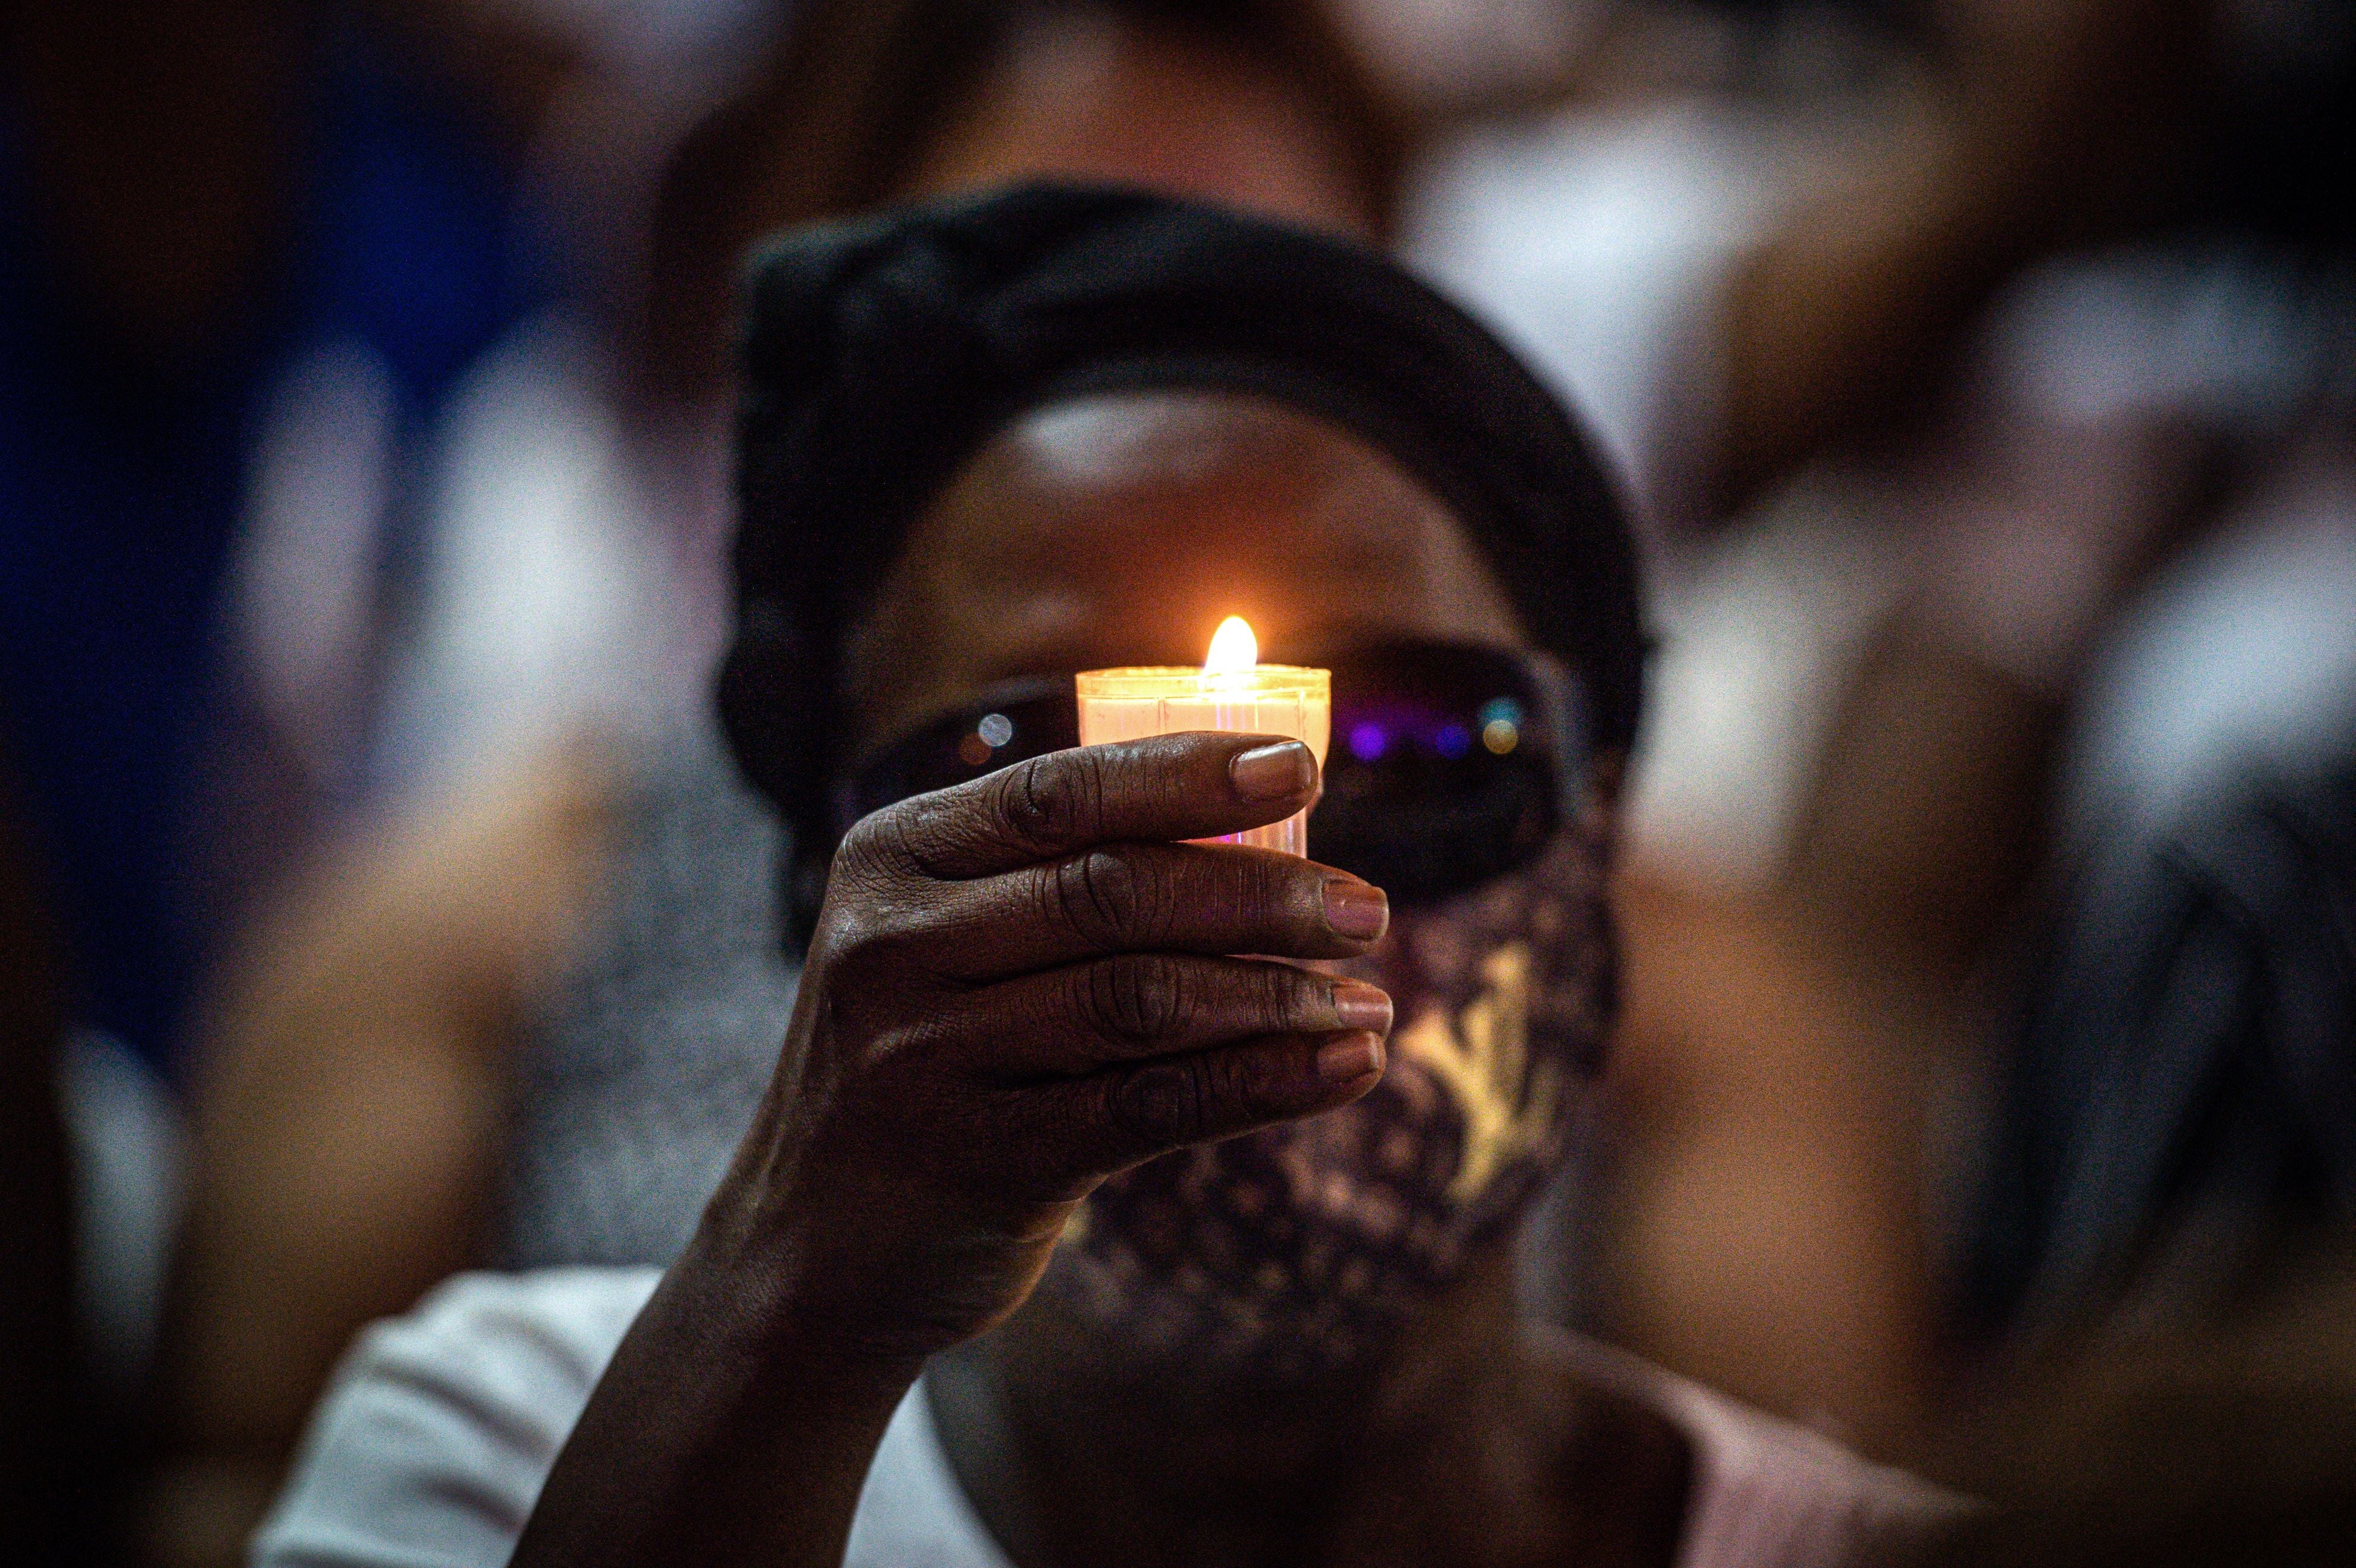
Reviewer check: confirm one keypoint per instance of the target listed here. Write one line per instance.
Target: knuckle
(1052, 800)
(865, 937)
(1162, 1103)
(1248, 892)
(1136, 997)
(1109, 898)
(1266, 885)
(1262, 1085)
(845, 926)
(1286, 997)
(1234, 1083)
(880, 842)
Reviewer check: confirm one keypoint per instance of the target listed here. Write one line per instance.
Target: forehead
(1121, 529)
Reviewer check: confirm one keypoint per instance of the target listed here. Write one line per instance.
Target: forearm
(2043, 123)
(331, 1188)
(1853, 302)
(1927, 816)
(723, 1431)
(955, 1077)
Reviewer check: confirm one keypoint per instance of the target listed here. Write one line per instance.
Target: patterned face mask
(1303, 1249)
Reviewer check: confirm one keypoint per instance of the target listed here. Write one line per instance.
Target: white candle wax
(1256, 699)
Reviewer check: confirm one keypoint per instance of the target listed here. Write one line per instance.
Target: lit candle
(1233, 690)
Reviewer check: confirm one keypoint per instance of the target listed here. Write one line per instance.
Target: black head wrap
(880, 352)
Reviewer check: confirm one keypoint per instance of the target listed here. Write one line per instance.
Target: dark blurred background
(378, 902)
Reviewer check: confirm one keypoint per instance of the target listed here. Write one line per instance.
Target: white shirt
(431, 1444)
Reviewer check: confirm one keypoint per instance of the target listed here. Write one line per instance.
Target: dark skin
(1021, 985)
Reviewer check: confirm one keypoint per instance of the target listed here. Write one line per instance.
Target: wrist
(722, 1431)
(749, 1265)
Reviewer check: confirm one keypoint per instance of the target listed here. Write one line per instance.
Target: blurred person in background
(249, 253)
(249, 248)
(1947, 325)
(245, 249)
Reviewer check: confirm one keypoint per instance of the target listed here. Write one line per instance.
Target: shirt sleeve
(1767, 1493)
(430, 1446)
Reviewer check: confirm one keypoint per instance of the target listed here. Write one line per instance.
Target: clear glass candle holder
(1264, 699)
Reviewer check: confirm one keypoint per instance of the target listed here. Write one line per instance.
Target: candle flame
(1234, 649)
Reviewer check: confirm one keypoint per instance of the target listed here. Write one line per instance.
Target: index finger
(1194, 784)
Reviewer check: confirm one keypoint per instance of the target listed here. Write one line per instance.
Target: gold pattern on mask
(1483, 1060)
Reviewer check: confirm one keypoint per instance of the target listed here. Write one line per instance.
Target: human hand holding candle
(1232, 691)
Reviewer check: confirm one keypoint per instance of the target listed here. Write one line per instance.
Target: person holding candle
(1065, 1236)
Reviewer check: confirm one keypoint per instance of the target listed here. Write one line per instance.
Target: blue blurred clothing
(123, 492)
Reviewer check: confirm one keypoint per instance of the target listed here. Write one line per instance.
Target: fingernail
(1360, 1006)
(1347, 1060)
(1271, 772)
(1357, 910)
